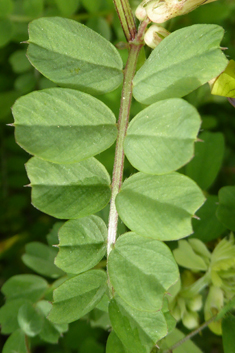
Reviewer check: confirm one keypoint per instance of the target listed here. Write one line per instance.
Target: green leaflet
(15, 343)
(29, 287)
(8, 315)
(209, 154)
(19, 62)
(226, 209)
(114, 345)
(228, 328)
(72, 55)
(69, 191)
(224, 85)
(68, 7)
(159, 206)
(141, 270)
(40, 258)
(183, 61)
(77, 296)
(30, 320)
(138, 330)
(50, 332)
(63, 125)
(33, 8)
(157, 132)
(82, 244)
(207, 227)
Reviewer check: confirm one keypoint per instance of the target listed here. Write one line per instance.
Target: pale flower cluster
(159, 11)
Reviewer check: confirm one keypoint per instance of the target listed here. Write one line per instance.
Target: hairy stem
(123, 120)
(126, 18)
(119, 152)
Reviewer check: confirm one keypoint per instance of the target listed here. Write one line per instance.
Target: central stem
(124, 114)
(123, 120)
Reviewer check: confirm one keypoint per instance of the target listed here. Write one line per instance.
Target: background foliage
(27, 233)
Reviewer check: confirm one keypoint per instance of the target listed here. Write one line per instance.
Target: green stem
(27, 343)
(191, 334)
(123, 120)
(119, 153)
(126, 18)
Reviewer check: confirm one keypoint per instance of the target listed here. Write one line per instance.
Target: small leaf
(69, 191)
(157, 132)
(78, 296)
(29, 287)
(224, 85)
(8, 315)
(40, 258)
(68, 7)
(82, 244)
(208, 227)
(114, 345)
(138, 330)
(33, 8)
(30, 321)
(63, 125)
(52, 236)
(159, 206)
(15, 343)
(53, 50)
(226, 208)
(204, 167)
(19, 62)
(228, 329)
(184, 61)
(141, 270)
(187, 257)
(50, 332)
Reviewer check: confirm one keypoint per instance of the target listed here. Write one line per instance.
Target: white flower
(159, 11)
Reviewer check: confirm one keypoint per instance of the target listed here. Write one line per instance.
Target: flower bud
(154, 35)
(195, 304)
(140, 12)
(190, 320)
(159, 11)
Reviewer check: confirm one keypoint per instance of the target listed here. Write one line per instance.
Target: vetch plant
(132, 280)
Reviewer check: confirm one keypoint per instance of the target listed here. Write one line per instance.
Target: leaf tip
(196, 217)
